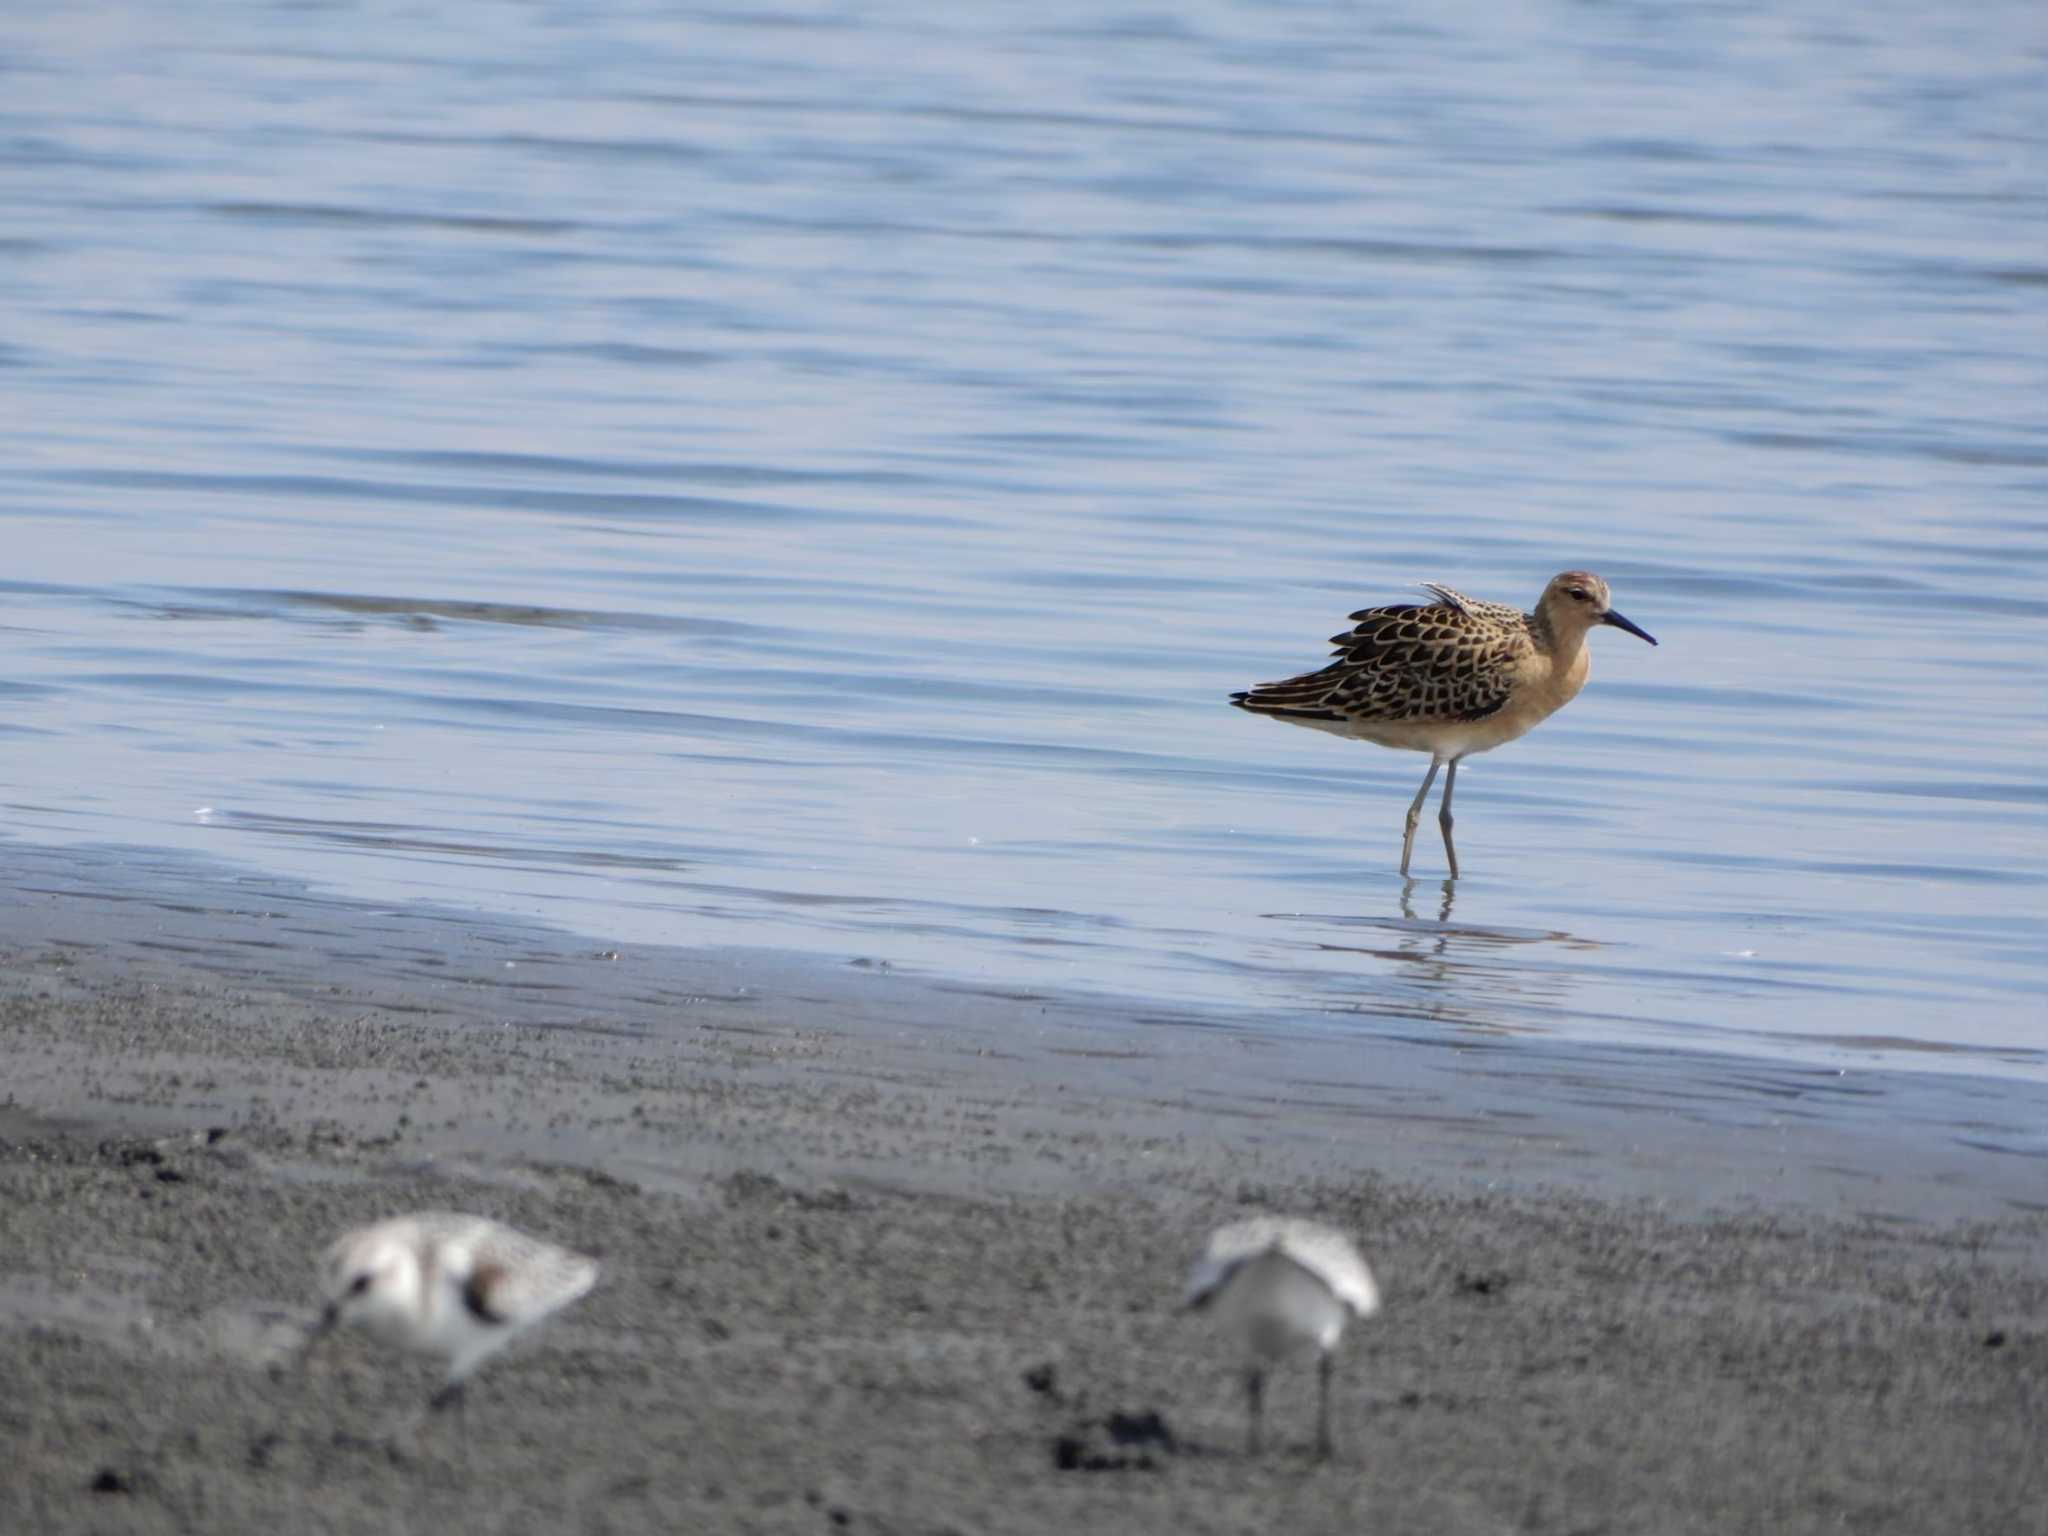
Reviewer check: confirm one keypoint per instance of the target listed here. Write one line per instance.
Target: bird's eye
(360, 1284)
(1579, 593)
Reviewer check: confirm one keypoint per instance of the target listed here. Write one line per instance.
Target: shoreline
(885, 1255)
(1695, 1132)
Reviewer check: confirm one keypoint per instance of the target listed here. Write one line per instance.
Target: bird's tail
(1295, 698)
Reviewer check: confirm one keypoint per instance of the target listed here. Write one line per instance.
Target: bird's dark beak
(1611, 617)
(329, 1316)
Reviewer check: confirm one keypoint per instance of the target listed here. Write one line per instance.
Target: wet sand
(871, 1268)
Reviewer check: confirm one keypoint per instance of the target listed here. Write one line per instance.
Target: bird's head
(369, 1278)
(1575, 601)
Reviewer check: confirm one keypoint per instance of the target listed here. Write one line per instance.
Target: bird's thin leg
(412, 1429)
(1443, 817)
(1415, 812)
(451, 1400)
(458, 1404)
(1323, 1446)
(1255, 1401)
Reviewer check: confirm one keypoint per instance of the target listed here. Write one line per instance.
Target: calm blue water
(809, 478)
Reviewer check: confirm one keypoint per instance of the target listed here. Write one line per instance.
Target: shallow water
(809, 479)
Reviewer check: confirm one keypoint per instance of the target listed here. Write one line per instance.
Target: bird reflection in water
(1462, 975)
(1449, 888)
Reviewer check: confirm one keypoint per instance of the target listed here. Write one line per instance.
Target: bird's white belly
(1441, 738)
(1280, 1308)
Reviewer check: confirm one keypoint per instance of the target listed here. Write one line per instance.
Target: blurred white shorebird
(1449, 678)
(460, 1287)
(1283, 1285)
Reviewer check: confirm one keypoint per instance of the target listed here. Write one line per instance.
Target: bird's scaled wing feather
(1404, 663)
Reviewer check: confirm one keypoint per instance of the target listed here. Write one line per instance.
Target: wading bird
(1450, 678)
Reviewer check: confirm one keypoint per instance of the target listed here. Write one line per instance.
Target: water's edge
(1689, 1131)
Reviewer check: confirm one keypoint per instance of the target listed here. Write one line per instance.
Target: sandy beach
(867, 1272)
(624, 618)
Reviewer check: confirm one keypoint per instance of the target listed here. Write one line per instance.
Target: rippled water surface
(809, 477)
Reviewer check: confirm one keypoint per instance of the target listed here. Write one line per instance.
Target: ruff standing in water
(1449, 678)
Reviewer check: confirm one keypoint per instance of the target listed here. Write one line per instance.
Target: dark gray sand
(870, 1273)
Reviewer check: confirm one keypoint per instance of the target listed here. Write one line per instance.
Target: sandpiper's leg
(1323, 1415)
(409, 1435)
(1255, 1401)
(1415, 812)
(453, 1401)
(1443, 817)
